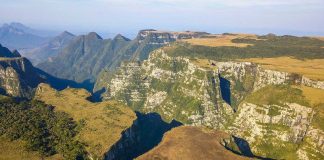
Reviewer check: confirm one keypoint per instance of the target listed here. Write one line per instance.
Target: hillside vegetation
(314, 95)
(263, 47)
(16, 150)
(221, 40)
(191, 143)
(100, 124)
(37, 127)
(311, 68)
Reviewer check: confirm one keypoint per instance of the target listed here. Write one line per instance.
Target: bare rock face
(240, 98)
(165, 37)
(18, 77)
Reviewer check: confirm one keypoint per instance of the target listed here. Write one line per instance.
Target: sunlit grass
(311, 68)
(314, 95)
(15, 150)
(102, 122)
(221, 40)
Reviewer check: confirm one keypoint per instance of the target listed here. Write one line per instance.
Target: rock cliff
(241, 98)
(17, 76)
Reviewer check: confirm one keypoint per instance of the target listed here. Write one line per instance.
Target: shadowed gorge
(147, 132)
(60, 84)
(241, 147)
(225, 87)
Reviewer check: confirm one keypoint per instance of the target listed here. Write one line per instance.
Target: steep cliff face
(17, 75)
(166, 89)
(229, 96)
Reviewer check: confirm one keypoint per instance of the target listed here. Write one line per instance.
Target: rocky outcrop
(165, 37)
(18, 77)
(256, 119)
(311, 83)
(144, 88)
(150, 39)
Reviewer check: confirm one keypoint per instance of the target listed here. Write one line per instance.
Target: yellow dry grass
(204, 63)
(221, 40)
(103, 122)
(13, 58)
(15, 150)
(319, 37)
(311, 68)
(314, 95)
(191, 143)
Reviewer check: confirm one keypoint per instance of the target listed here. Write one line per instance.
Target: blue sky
(298, 17)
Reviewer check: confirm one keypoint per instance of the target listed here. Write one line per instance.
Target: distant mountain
(85, 56)
(18, 77)
(49, 49)
(38, 32)
(18, 36)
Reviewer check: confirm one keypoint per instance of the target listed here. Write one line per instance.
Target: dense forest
(43, 130)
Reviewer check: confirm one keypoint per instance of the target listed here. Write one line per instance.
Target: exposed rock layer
(222, 96)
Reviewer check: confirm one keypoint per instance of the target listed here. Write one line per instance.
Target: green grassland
(268, 46)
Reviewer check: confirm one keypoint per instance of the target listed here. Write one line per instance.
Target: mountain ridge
(87, 55)
(18, 36)
(49, 49)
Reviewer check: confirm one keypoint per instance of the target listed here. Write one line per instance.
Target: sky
(295, 17)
